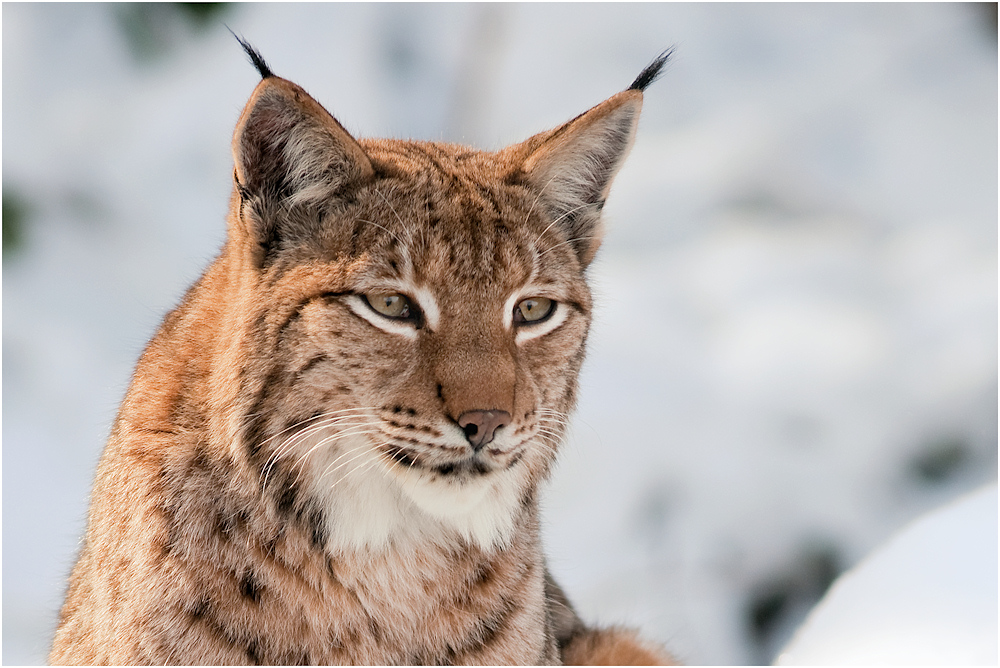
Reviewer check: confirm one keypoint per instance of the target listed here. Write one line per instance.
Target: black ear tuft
(652, 71)
(254, 55)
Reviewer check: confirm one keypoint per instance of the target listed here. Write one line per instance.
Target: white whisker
(335, 436)
(357, 452)
(317, 417)
(288, 446)
(357, 469)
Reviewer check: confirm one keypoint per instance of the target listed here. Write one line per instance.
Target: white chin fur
(443, 498)
(380, 505)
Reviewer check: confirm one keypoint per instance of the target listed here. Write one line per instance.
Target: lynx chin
(331, 450)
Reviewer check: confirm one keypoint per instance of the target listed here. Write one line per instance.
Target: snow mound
(927, 596)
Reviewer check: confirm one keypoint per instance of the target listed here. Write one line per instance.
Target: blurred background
(795, 344)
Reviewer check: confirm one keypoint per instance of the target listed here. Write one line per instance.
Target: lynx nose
(480, 426)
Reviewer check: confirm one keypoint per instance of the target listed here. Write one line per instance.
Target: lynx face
(420, 309)
(431, 334)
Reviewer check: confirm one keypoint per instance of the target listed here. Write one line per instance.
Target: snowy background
(795, 346)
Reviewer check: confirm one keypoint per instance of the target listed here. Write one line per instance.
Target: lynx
(331, 450)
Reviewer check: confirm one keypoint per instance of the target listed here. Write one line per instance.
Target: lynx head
(413, 314)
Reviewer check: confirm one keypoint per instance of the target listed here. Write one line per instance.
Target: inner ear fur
(290, 153)
(573, 166)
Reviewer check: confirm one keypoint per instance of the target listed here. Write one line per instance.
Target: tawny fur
(613, 647)
(286, 481)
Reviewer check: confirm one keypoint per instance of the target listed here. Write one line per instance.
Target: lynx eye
(533, 309)
(392, 305)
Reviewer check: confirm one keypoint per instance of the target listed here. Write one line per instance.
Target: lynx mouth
(475, 465)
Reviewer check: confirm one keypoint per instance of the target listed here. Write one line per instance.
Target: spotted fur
(287, 481)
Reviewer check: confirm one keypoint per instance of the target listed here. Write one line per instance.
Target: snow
(928, 596)
(795, 343)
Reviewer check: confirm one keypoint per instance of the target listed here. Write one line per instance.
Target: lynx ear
(573, 166)
(292, 157)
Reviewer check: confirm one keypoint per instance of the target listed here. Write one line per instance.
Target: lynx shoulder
(331, 449)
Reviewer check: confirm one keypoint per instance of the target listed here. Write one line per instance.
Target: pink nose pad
(481, 426)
